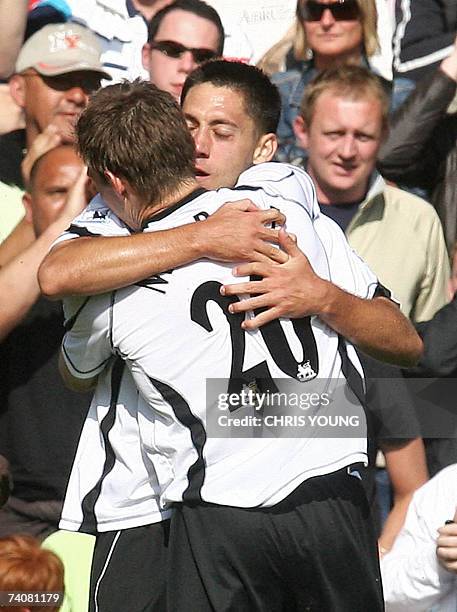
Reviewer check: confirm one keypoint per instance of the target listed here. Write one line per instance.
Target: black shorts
(128, 570)
(314, 551)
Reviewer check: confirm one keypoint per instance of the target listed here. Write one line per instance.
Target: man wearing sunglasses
(180, 37)
(56, 70)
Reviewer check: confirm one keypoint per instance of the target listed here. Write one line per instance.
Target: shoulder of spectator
(286, 78)
(410, 206)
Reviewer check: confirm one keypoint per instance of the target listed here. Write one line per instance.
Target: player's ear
(27, 201)
(265, 149)
(116, 183)
(301, 131)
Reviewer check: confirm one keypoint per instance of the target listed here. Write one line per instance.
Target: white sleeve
(86, 346)
(281, 186)
(413, 580)
(347, 269)
(283, 182)
(94, 221)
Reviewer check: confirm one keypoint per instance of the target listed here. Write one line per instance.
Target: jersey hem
(111, 525)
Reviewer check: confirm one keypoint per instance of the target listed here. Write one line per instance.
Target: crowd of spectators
(367, 91)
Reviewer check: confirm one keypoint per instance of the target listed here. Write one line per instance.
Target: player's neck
(183, 190)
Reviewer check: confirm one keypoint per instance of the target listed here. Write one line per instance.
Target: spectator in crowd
(423, 37)
(56, 70)
(418, 574)
(343, 123)
(434, 380)
(327, 579)
(26, 568)
(421, 150)
(40, 420)
(13, 16)
(394, 429)
(121, 28)
(181, 36)
(423, 33)
(341, 33)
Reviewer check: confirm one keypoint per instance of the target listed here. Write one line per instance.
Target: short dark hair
(196, 7)
(138, 132)
(261, 97)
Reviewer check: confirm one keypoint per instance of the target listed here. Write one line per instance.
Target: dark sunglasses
(86, 80)
(176, 50)
(342, 10)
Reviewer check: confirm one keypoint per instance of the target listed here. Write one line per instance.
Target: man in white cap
(56, 70)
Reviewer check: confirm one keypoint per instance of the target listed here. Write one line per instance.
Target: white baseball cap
(59, 48)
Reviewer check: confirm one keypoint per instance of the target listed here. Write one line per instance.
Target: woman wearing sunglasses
(326, 33)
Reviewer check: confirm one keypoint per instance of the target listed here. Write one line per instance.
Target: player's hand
(446, 545)
(238, 232)
(50, 138)
(291, 289)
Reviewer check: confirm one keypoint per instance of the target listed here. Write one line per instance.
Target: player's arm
(407, 470)
(86, 346)
(292, 289)
(88, 266)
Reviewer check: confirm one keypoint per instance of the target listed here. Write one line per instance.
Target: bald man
(40, 420)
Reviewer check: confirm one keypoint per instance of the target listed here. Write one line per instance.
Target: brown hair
(136, 131)
(24, 566)
(368, 20)
(352, 82)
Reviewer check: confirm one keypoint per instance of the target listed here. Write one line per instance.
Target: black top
(342, 214)
(434, 382)
(391, 417)
(40, 420)
(12, 146)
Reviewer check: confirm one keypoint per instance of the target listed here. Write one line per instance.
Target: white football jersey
(175, 333)
(113, 483)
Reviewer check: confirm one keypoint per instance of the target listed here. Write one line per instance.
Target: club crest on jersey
(100, 214)
(305, 372)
